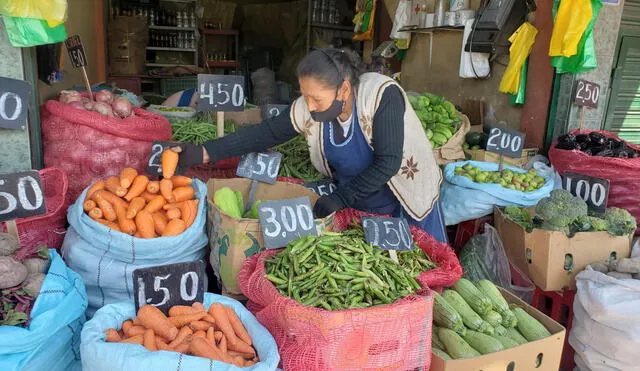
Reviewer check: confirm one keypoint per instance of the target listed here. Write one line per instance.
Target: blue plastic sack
(105, 259)
(52, 340)
(464, 200)
(97, 355)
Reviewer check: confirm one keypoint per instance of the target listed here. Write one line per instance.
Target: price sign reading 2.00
(388, 233)
(154, 165)
(21, 195)
(220, 93)
(505, 141)
(286, 220)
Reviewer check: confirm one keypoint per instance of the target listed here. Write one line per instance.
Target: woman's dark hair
(331, 66)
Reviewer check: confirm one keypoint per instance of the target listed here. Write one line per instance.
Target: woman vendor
(361, 131)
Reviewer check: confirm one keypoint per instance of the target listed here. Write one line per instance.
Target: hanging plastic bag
(402, 18)
(571, 22)
(521, 43)
(473, 65)
(52, 11)
(519, 97)
(28, 32)
(585, 59)
(364, 19)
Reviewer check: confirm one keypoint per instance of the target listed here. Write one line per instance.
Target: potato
(12, 273)
(629, 265)
(620, 276)
(33, 282)
(36, 265)
(8, 244)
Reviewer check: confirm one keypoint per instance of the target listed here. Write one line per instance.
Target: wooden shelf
(223, 64)
(168, 65)
(171, 28)
(214, 32)
(333, 27)
(159, 48)
(415, 29)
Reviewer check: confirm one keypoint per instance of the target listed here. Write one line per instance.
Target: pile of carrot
(135, 205)
(216, 334)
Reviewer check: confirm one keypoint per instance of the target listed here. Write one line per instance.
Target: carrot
(166, 187)
(159, 223)
(153, 187)
(249, 363)
(109, 224)
(89, 205)
(198, 306)
(127, 175)
(181, 181)
(173, 214)
(242, 347)
(218, 335)
(238, 327)
(135, 330)
(172, 205)
(112, 184)
(223, 344)
(126, 325)
(136, 204)
(97, 186)
(169, 163)
(181, 310)
(126, 225)
(183, 194)
(218, 312)
(182, 336)
(210, 335)
(188, 212)
(155, 204)
(138, 339)
(147, 196)
(199, 325)
(200, 334)
(138, 186)
(112, 336)
(107, 209)
(161, 345)
(145, 225)
(112, 198)
(180, 321)
(149, 340)
(233, 353)
(96, 213)
(174, 228)
(136, 321)
(201, 348)
(209, 319)
(151, 317)
(183, 347)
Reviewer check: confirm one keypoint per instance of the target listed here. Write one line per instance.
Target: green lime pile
(524, 182)
(439, 117)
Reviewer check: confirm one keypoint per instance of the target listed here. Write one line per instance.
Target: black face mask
(330, 114)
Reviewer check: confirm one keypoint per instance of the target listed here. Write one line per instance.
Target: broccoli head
(561, 208)
(519, 215)
(621, 223)
(589, 224)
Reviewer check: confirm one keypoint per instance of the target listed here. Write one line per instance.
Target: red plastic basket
(559, 306)
(48, 229)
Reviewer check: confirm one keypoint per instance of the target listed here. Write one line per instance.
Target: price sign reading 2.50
(388, 233)
(21, 195)
(286, 220)
(220, 93)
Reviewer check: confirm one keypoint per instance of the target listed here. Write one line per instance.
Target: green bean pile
(341, 271)
(296, 162)
(198, 131)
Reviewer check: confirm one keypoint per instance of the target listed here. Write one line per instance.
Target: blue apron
(351, 157)
(185, 97)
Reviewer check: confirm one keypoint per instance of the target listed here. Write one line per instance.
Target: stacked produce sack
(43, 305)
(129, 222)
(219, 334)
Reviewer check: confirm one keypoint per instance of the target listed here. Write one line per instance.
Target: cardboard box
(246, 117)
(545, 352)
(233, 240)
(482, 155)
(541, 254)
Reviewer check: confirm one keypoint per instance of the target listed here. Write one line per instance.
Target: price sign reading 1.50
(286, 220)
(21, 195)
(220, 93)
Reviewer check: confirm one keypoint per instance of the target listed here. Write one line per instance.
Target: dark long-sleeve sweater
(387, 142)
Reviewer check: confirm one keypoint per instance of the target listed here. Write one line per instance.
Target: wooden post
(220, 123)
(12, 229)
(500, 161)
(394, 256)
(582, 119)
(86, 82)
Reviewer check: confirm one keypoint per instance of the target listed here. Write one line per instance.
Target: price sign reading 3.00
(286, 220)
(594, 191)
(505, 141)
(387, 233)
(220, 93)
(21, 195)
(262, 167)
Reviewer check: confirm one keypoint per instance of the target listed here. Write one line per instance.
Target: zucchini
(484, 344)
(500, 305)
(455, 346)
(445, 316)
(441, 353)
(516, 336)
(476, 299)
(493, 318)
(500, 330)
(435, 340)
(528, 326)
(506, 341)
(469, 317)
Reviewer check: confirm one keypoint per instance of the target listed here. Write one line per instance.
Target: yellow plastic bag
(521, 43)
(52, 11)
(570, 24)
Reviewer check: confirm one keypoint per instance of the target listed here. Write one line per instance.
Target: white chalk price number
(221, 93)
(168, 285)
(286, 220)
(587, 93)
(76, 51)
(260, 166)
(14, 102)
(594, 191)
(154, 166)
(323, 187)
(505, 141)
(273, 110)
(21, 195)
(388, 233)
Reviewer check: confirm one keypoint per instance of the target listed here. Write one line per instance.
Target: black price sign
(286, 220)
(586, 94)
(76, 51)
(273, 110)
(154, 166)
(21, 195)
(594, 191)
(322, 187)
(220, 93)
(505, 141)
(387, 233)
(14, 102)
(167, 285)
(262, 167)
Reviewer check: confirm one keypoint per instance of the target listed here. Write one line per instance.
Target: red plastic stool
(468, 229)
(560, 310)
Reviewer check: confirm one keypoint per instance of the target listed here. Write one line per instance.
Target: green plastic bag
(585, 59)
(27, 32)
(519, 97)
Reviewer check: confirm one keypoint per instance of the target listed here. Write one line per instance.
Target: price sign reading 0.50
(505, 141)
(594, 191)
(220, 93)
(286, 220)
(322, 187)
(21, 195)
(76, 51)
(388, 233)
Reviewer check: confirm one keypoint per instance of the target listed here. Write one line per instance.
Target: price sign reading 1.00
(505, 141)
(168, 285)
(220, 93)
(388, 233)
(14, 98)
(262, 167)
(286, 220)
(21, 195)
(594, 191)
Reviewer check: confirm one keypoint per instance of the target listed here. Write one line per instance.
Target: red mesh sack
(48, 229)
(392, 337)
(622, 173)
(90, 146)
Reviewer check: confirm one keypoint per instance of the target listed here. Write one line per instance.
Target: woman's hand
(190, 155)
(327, 205)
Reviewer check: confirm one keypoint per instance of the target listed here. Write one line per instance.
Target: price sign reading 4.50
(322, 187)
(21, 195)
(167, 285)
(14, 102)
(594, 191)
(387, 233)
(262, 167)
(76, 51)
(505, 141)
(286, 220)
(154, 166)
(220, 93)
